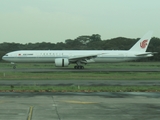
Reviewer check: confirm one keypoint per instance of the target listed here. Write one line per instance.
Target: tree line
(86, 42)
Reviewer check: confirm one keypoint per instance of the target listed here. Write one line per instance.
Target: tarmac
(80, 82)
(37, 70)
(80, 106)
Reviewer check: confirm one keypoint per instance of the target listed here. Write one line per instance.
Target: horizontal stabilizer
(147, 53)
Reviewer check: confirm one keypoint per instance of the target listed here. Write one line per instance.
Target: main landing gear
(78, 67)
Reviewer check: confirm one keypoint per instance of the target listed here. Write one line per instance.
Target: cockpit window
(6, 55)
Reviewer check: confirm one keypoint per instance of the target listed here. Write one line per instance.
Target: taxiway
(79, 106)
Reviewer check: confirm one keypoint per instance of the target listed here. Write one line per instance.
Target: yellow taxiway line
(79, 102)
(30, 113)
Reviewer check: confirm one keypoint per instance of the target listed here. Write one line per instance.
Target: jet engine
(61, 62)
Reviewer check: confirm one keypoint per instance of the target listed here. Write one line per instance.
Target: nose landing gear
(14, 65)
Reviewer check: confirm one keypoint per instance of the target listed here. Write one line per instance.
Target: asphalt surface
(80, 70)
(80, 82)
(79, 106)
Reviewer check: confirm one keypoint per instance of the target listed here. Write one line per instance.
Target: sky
(32, 21)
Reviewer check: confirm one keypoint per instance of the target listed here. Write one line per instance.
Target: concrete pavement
(79, 106)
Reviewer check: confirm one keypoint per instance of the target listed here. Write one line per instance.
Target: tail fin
(142, 44)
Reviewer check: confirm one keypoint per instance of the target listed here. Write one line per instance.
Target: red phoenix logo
(144, 43)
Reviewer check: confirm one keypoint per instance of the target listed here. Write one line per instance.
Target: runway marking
(80, 102)
(1, 101)
(30, 113)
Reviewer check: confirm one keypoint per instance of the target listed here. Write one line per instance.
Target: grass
(79, 89)
(80, 76)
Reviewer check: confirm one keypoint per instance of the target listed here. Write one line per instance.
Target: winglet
(142, 44)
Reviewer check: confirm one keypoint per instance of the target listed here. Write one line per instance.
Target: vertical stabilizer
(142, 44)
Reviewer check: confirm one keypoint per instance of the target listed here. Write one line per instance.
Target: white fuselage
(49, 56)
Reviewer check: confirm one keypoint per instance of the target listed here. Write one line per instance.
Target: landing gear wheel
(79, 67)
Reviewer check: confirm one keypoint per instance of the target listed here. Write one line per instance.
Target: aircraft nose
(3, 58)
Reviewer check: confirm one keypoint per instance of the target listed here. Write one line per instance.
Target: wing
(83, 58)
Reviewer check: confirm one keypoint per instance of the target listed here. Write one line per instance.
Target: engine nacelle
(61, 62)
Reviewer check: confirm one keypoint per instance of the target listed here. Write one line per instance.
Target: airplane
(62, 58)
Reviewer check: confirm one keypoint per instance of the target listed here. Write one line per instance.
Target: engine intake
(61, 62)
